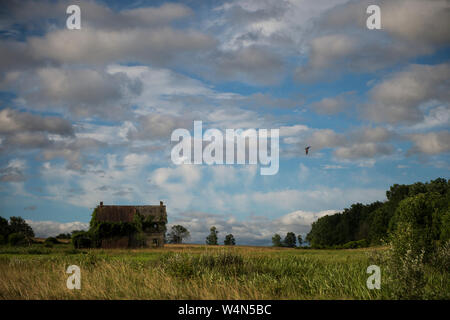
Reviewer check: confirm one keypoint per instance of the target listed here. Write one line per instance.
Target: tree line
(289, 241)
(423, 206)
(178, 233)
(15, 231)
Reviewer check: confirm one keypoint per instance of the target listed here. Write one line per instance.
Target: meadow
(198, 272)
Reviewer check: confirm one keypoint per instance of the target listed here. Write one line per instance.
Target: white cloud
(363, 150)
(12, 121)
(430, 143)
(398, 97)
(14, 171)
(332, 166)
(332, 105)
(44, 229)
(435, 118)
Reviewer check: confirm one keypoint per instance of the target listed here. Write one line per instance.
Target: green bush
(51, 240)
(445, 226)
(441, 257)
(16, 239)
(404, 266)
(417, 215)
(82, 239)
(363, 243)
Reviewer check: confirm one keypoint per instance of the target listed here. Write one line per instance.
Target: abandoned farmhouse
(130, 226)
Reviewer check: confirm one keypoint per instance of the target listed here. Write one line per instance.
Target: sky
(87, 115)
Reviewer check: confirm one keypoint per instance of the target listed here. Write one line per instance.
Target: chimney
(101, 203)
(161, 203)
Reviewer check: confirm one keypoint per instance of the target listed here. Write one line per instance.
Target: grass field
(195, 272)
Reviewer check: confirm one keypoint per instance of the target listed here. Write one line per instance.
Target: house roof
(112, 213)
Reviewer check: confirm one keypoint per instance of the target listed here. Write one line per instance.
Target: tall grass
(234, 273)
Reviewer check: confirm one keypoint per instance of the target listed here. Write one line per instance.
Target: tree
(229, 240)
(276, 240)
(289, 240)
(212, 238)
(300, 240)
(4, 227)
(16, 239)
(417, 215)
(18, 225)
(177, 234)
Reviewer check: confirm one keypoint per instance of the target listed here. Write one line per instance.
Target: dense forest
(423, 205)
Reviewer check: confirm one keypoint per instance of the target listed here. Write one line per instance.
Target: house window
(155, 242)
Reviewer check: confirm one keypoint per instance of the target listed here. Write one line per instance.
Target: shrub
(363, 243)
(82, 239)
(37, 251)
(51, 240)
(17, 239)
(441, 258)
(415, 214)
(404, 265)
(2, 239)
(445, 226)
(63, 236)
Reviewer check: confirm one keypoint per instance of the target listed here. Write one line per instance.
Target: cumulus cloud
(133, 35)
(436, 117)
(14, 171)
(430, 143)
(158, 126)
(340, 43)
(332, 105)
(360, 143)
(70, 150)
(422, 21)
(81, 92)
(158, 46)
(363, 150)
(38, 15)
(44, 229)
(373, 134)
(24, 130)
(249, 64)
(398, 98)
(13, 121)
(282, 24)
(325, 138)
(115, 179)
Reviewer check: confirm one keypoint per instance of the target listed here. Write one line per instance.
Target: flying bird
(307, 149)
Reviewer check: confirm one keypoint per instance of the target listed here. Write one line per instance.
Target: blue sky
(86, 115)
